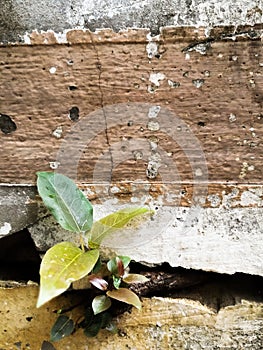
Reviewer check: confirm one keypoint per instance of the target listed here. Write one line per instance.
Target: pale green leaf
(126, 296)
(125, 260)
(100, 303)
(62, 264)
(67, 203)
(110, 223)
(135, 278)
(116, 282)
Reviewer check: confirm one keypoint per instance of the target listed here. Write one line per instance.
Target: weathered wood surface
(214, 89)
(162, 324)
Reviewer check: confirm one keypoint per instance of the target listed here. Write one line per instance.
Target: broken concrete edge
(165, 322)
(104, 35)
(217, 239)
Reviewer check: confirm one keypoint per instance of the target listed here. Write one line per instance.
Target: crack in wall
(20, 261)
(251, 34)
(99, 67)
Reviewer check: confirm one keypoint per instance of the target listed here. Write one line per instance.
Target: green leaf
(62, 264)
(126, 296)
(93, 327)
(125, 260)
(89, 315)
(93, 323)
(67, 203)
(97, 267)
(111, 223)
(63, 327)
(46, 345)
(135, 278)
(106, 319)
(114, 266)
(100, 303)
(116, 281)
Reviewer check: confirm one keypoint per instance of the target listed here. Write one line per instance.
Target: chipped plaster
(5, 229)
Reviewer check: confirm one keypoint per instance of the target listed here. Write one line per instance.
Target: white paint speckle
(173, 84)
(52, 70)
(187, 56)
(152, 49)
(115, 189)
(54, 165)
(155, 78)
(200, 48)
(198, 172)
(137, 155)
(58, 132)
(214, 199)
(243, 171)
(198, 82)
(154, 111)
(27, 39)
(232, 118)
(153, 165)
(61, 37)
(5, 229)
(153, 145)
(153, 125)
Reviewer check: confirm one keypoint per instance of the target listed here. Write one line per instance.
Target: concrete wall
(19, 16)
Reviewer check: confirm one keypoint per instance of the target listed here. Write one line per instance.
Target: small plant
(66, 262)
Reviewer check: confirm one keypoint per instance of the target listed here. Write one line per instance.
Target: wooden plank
(219, 101)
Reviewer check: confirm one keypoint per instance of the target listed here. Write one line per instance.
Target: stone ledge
(162, 324)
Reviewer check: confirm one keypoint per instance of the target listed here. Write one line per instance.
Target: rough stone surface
(18, 208)
(212, 239)
(46, 233)
(18, 16)
(162, 324)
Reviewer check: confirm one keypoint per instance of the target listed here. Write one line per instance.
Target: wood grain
(99, 70)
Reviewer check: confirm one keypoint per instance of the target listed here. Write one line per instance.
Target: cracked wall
(174, 122)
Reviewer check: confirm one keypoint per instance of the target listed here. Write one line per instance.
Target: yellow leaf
(63, 264)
